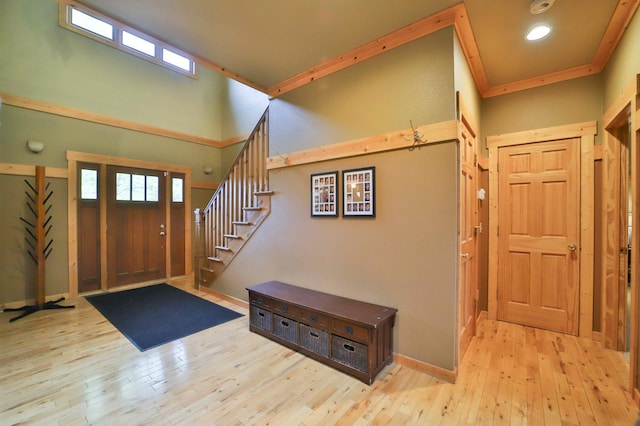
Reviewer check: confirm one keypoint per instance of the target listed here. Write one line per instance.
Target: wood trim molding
(541, 80)
(398, 38)
(50, 108)
(201, 184)
(237, 302)
(458, 17)
(547, 133)
(126, 162)
(27, 170)
(619, 22)
(414, 364)
(434, 133)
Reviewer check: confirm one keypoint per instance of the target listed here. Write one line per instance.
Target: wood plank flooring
(72, 367)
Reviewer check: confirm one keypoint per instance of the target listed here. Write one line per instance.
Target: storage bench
(352, 336)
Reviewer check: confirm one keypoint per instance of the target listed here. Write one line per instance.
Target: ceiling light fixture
(538, 32)
(540, 6)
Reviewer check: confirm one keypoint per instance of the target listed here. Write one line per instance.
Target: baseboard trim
(226, 297)
(414, 364)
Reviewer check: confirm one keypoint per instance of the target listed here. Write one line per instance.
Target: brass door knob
(571, 246)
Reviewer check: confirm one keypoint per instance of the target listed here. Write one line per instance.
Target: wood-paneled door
(136, 225)
(89, 242)
(468, 275)
(538, 234)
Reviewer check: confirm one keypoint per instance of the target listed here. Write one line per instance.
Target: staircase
(238, 207)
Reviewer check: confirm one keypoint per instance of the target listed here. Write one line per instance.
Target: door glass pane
(137, 188)
(89, 184)
(123, 186)
(152, 188)
(176, 190)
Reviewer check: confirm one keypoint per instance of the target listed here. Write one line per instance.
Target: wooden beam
(541, 80)
(201, 184)
(433, 133)
(125, 162)
(470, 48)
(50, 108)
(618, 24)
(398, 38)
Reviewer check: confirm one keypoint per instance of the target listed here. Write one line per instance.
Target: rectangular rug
(154, 315)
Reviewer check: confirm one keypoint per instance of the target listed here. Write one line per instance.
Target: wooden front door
(538, 234)
(468, 279)
(136, 227)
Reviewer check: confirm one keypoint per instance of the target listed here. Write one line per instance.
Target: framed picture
(359, 189)
(324, 194)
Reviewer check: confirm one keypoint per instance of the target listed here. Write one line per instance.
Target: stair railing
(247, 177)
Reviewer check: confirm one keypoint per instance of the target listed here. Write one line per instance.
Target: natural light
(138, 43)
(92, 24)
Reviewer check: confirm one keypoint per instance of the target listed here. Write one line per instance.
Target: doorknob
(465, 255)
(162, 233)
(571, 246)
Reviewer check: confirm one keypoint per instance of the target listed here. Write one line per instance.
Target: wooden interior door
(468, 284)
(136, 227)
(538, 234)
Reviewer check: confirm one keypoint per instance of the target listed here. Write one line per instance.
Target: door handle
(162, 233)
(571, 247)
(465, 255)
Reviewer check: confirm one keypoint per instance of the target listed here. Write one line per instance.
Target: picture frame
(359, 192)
(324, 194)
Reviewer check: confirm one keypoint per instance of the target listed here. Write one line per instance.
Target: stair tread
(252, 208)
(214, 259)
(232, 236)
(240, 222)
(225, 248)
(263, 192)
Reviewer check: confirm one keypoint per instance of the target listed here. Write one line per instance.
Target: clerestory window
(82, 20)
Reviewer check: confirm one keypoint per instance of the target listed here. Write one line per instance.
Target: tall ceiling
(268, 42)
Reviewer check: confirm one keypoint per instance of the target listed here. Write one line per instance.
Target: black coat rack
(37, 230)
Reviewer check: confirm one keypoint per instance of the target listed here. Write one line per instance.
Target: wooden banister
(246, 178)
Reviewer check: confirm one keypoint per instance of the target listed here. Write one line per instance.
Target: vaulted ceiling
(267, 44)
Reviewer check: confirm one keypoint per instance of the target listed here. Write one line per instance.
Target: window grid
(126, 39)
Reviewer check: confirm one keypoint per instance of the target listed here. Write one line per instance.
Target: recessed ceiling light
(538, 32)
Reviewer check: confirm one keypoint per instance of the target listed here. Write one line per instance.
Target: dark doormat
(154, 315)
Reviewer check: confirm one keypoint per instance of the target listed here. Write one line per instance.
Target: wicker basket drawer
(261, 318)
(315, 340)
(285, 328)
(349, 353)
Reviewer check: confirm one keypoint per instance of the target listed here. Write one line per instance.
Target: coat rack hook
(417, 138)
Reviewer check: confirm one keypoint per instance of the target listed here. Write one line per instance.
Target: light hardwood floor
(73, 367)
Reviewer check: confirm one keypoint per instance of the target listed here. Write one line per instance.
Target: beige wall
(572, 101)
(465, 85)
(414, 82)
(624, 65)
(405, 257)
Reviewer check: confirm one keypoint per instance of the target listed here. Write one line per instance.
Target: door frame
(586, 132)
(626, 104)
(73, 158)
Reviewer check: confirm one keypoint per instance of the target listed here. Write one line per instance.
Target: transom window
(82, 20)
